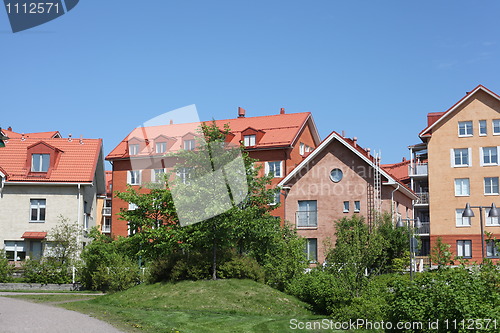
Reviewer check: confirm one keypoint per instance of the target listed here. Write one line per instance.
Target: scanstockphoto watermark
(26, 14)
(473, 325)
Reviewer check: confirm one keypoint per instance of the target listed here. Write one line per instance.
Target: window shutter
(129, 180)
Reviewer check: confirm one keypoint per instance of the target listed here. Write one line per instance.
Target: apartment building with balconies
(457, 163)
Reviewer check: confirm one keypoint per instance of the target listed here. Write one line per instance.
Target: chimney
(355, 140)
(404, 159)
(171, 121)
(343, 133)
(241, 112)
(368, 151)
(282, 111)
(9, 129)
(70, 139)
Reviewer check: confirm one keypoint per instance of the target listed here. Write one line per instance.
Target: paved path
(22, 316)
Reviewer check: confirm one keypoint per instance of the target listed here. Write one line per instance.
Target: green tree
(6, 269)
(165, 217)
(63, 241)
(441, 254)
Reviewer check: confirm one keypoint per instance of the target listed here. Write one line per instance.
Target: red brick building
(279, 142)
(339, 179)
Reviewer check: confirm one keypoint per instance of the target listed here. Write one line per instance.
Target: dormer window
(189, 144)
(133, 149)
(161, 147)
(40, 162)
(249, 140)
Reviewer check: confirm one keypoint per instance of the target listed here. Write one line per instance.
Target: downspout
(78, 240)
(392, 201)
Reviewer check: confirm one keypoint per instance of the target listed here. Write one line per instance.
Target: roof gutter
(44, 183)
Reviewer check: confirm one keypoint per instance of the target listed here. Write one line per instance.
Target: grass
(198, 306)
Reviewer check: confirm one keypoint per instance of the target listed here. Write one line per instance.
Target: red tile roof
(77, 162)
(398, 170)
(281, 130)
(39, 135)
(34, 235)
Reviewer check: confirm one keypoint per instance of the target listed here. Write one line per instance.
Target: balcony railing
(423, 198)
(106, 211)
(425, 229)
(105, 228)
(306, 219)
(418, 169)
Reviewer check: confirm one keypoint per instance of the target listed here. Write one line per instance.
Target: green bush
(447, 295)
(242, 267)
(46, 271)
(6, 269)
(119, 273)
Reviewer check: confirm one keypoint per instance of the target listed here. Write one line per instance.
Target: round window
(336, 175)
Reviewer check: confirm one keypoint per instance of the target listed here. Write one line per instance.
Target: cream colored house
(461, 165)
(44, 177)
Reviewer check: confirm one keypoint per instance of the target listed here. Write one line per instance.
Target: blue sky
(371, 68)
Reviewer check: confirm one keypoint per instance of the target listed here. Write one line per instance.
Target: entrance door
(36, 249)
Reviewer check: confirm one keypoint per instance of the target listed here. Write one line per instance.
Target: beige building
(339, 179)
(459, 164)
(44, 178)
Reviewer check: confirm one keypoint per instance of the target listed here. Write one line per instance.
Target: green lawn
(199, 306)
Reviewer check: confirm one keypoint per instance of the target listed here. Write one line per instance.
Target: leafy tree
(63, 241)
(441, 254)
(6, 269)
(165, 217)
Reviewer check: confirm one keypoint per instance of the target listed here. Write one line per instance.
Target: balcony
(106, 211)
(418, 169)
(106, 229)
(423, 198)
(424, 230)
(306, 219)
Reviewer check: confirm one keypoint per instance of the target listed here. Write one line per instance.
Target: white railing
(307, 218)
(105, 228)
(418, 169)
(424, 229)
(106, 211)
(423, 198)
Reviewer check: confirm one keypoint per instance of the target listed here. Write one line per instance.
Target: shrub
(46, 271)
(5, 268)
(242, 267)
(119, 273)
(453, 294)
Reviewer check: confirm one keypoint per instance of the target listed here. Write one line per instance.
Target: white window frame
(106, 225)
(155, 173)
(467, 127)
(490, 185)
(345, 206)
(483, 128)
(462, 185)
(161, 147)
(492, 221)
(461, 221)
(311, 249)
(184, 174)
(483, 156)
(38, 205)
(249, 140)
(464, 248)
(357, 206)
(189, 144)
(495, 126)
(133, 149)
(132, 206)
(40, 159)
(311, 215)
(302, 148)
(492, 249)
(268, 168)
(276, 199)
(134, 177)
(469, 157)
